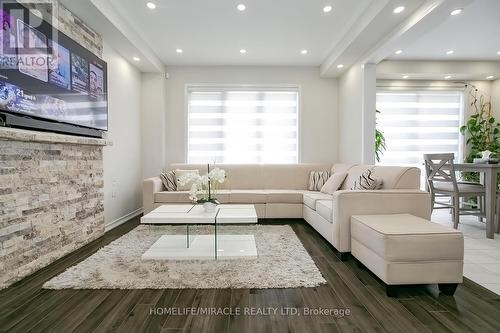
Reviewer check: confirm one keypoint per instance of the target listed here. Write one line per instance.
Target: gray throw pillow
(168, 180)
(367, 182)
(317, 179)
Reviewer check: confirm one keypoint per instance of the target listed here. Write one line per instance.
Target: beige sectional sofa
(280, 191)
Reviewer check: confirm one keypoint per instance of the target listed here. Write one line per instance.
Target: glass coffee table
(226, 233)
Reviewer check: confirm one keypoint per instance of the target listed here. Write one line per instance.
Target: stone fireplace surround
(51, 198)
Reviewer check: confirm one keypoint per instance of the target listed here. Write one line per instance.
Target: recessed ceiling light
(490, 77)
(243, 51)
(456, 11)
(241, 7)
(178, 50)
(398, 10)
(405, 76)
(304, 51)
(151, 5)
(327, 9)
(450, 52)
(498, 52)
(340, 66)
(447, 77)
(399, 51)
(136, 59)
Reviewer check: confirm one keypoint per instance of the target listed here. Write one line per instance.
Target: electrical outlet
(114, 188)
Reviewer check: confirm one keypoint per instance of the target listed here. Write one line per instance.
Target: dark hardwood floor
(25, 307)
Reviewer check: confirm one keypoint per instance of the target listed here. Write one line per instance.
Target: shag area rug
(282, 263)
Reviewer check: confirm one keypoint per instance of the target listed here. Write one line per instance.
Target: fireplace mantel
(14, 134)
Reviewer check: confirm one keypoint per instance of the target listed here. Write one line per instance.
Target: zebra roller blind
(418, 122)
(228, 125)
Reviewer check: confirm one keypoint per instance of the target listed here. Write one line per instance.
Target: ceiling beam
(428, 16)
(378, 33)
(355, 29)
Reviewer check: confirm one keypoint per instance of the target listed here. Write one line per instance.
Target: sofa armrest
(149, 187)
(349, 203)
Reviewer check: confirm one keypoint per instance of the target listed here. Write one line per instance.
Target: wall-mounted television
(47, 80)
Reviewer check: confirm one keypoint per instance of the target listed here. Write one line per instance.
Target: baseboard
(123, 219)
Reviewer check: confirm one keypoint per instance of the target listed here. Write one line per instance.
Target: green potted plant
(380, 145)
(481, 130)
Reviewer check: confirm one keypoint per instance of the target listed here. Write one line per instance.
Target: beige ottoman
(404, 249)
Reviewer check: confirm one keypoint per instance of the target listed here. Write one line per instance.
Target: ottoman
(404, 249)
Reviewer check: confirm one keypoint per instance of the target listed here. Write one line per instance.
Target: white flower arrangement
(204, 188)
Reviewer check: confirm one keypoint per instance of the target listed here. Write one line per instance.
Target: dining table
(489, 179)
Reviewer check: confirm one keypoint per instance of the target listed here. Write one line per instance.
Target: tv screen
(46, 75)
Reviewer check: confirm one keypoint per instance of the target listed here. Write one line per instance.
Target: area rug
(282, 262)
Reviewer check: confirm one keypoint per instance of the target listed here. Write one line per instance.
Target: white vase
(209, 207)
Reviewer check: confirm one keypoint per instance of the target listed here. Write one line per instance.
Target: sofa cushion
(183, 196)
(168, 180)
(310, 198)
(404, 237)
(248, 196)
(181, 173)
(324, 208)
(367, 182)
(172, 196)
(392, 177)
(341, 167)
(261, 176)
(317, 179)
(284, 196)
(334, 182)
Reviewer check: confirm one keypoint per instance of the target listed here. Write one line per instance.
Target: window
(242, 125)
(419, 122)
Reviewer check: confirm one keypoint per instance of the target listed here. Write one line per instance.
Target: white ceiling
(473, 35)
(212, 32)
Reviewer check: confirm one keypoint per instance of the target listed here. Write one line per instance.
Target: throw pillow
(178, 174)
(367, 182)
(317, 179)
(334, 182)
(168, 180)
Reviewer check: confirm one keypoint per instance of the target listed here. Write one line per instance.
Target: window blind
(419, 122)
(242, 125)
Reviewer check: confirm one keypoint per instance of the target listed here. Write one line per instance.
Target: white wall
(153, 106)
(122, 161)
(318, 123)
(357, 97)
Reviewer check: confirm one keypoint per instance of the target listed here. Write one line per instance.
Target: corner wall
(122, 161)
(153, 109)
(357, 104)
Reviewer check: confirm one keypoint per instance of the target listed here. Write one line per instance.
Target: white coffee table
(216, 245)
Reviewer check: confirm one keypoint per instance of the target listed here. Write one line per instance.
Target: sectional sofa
(281, 191)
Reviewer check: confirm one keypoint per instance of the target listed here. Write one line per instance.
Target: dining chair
(442, 182)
